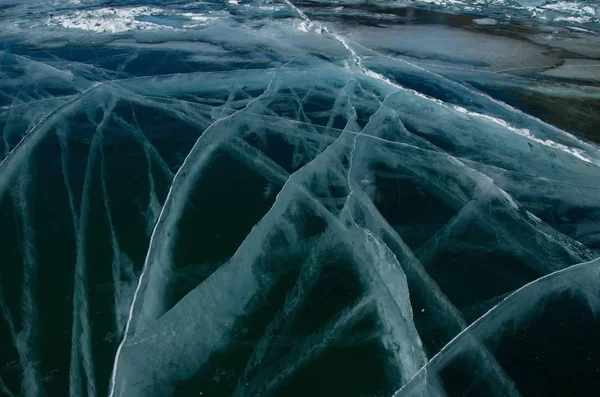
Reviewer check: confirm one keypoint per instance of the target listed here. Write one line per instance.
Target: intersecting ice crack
(528, 295)
(160, 220)
(352, 136)
(31, 138)
(355, 57)
(81, 332)
(296, 174)
(477, 93)
(28, 332)
(354, 141)
(504, 382)
(310, 348)
(359, 63)
(289, 183)
(282, 321)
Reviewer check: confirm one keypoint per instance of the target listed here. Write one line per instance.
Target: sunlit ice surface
(285, 198)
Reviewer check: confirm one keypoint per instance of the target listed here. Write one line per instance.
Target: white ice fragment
(303, 26)
(564, 6)
(443, 2)
(197, 17)
(573, 19)
(306, 26)
(107, 20)
(485, 21)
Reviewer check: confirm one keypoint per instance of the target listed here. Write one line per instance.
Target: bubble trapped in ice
(260, 198)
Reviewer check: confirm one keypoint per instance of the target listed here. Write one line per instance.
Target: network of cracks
(313, 228)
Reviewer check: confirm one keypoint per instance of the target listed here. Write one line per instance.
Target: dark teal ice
(256, 198)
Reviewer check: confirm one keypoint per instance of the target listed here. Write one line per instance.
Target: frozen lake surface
(299, 198)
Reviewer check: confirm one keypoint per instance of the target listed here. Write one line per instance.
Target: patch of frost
(306, 27)
(199, 19)
(573, 19)
(562, 6)
(485, 21)
(107, 20)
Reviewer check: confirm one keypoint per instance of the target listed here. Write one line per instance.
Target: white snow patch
(563, 6)
(573, 19)
(485, 21)
(197, 17)
(306, 27)
(107, 20)
(443, 2)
